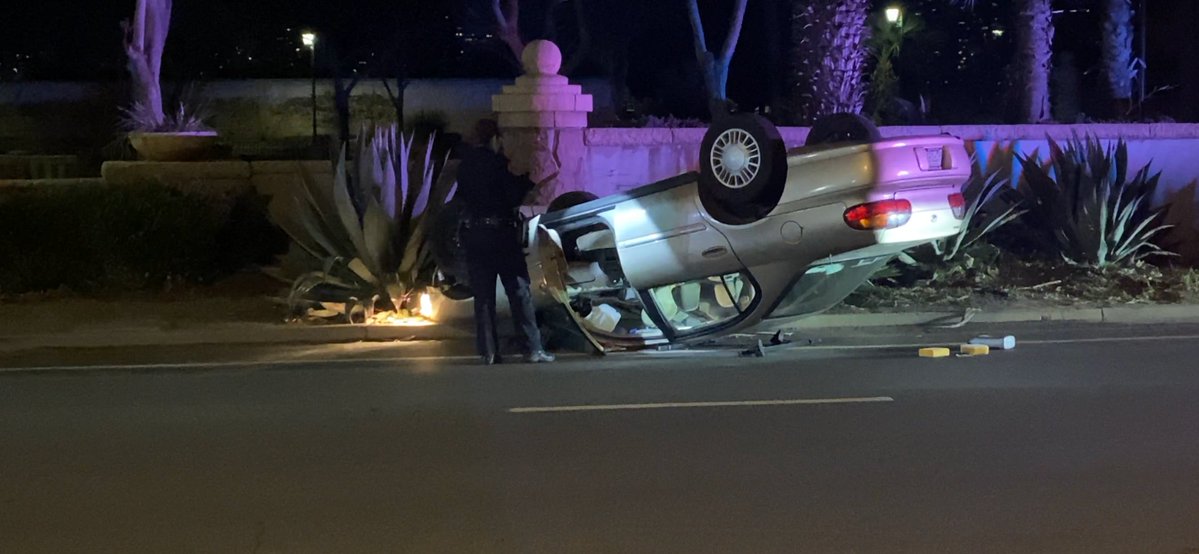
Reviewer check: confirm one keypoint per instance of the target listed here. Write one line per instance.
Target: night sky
(71, 40)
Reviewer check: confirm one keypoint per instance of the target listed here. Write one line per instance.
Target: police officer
(491, 232)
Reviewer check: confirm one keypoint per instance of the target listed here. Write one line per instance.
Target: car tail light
(884, 214)
(958, 203)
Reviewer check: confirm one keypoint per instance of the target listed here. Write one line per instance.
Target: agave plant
(1090, 211)
(990, 202)
(184, 118)
(361, 237)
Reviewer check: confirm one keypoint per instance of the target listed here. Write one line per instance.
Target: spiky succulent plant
(361, 237)
(1091, 211)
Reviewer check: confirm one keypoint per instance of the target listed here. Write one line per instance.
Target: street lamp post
(309, 39)
(894, 15)
(1144, 66)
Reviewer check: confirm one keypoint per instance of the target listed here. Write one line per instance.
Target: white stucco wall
(620, 159)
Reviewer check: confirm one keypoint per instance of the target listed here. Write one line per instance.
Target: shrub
(184, 118)
(91, 238)
(669, 121)
(1087, 208)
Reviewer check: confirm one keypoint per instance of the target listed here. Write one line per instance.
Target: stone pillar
(542, 117)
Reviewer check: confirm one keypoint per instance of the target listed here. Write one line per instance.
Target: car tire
(569, 200)
(842, 127)
(743, 168)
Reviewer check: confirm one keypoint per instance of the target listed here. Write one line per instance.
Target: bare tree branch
(697, 29)
(158, 27)
(135, 31)
(507, 24)
(715, 69)
(500, 18)
(144, 41)
(735, 21)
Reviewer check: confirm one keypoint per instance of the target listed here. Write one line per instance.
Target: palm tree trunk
(145, 39)
(1117, 49)
(830, 57)
(1034, 47)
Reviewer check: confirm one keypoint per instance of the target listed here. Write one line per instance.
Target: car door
(553, 267)
(663, 238)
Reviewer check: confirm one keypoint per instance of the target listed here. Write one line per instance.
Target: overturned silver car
(760, 236)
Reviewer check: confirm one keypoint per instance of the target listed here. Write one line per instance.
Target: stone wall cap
(1129, 131)
(541, 57)
(621, 136)
(616, 136)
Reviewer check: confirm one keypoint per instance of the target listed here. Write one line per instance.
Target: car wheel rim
(736, 158)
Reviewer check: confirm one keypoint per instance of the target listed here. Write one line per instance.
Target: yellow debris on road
(975, 350)
(934, 352)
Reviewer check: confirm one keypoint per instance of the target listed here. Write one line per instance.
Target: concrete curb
(1165, 313)
(264, 333)
(233, 334)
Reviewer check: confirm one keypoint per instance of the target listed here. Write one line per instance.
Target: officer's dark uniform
(491, 235)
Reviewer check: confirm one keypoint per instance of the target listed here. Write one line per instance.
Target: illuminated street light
(309, 40)
(894, 15)
(997, 32)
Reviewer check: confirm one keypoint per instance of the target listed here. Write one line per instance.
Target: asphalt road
(1083, 439)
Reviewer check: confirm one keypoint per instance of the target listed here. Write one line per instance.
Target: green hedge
(91, 238)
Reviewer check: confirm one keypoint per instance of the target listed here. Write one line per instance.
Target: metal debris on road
(999, 343)
(758, 351)
(967, 315)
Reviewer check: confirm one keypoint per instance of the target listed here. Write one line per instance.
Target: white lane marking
(1019, 342)
(671, 405)
(682, 353)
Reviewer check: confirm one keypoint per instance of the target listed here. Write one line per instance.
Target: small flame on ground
(426, 305)
(396, 319)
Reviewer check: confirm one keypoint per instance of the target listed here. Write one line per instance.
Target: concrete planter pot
(174, 147)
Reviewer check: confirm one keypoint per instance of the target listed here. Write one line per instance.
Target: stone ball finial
(541, 57)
